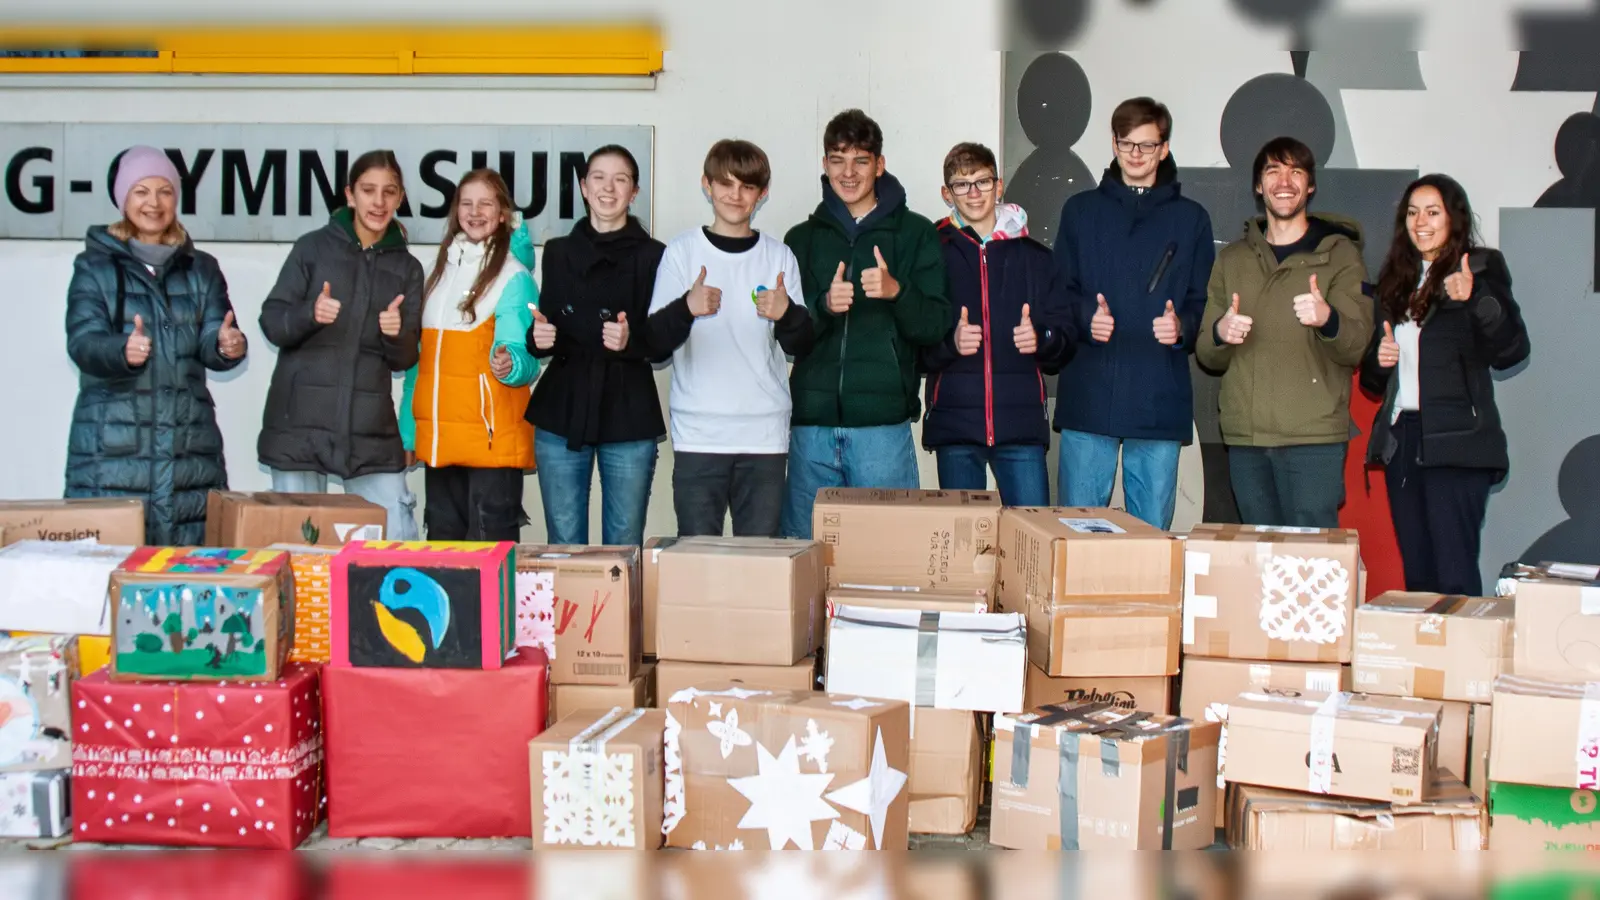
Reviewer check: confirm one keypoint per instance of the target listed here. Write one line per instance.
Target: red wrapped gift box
(211, 764)
(175, 875)
(404, 878)
(433, 752)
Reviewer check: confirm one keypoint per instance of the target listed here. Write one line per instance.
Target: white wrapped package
(58, 587)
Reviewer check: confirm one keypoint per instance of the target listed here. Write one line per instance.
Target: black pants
(467, 504)
(1438, 516)
(704, 485)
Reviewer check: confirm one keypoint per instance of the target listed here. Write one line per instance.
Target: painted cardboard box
(596, 780)
(1432, 646)
(762, 769)
(58, 587)
(230, 765)
(103, 520)
(1537, 817)
(423, 604)
(583, 607)
(36, 804)
(36, 675)
(239, 519)
(1270, 819)
(201, 614)
(313, 595)
(1254, 592)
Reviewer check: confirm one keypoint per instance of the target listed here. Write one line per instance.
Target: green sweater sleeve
(408, 421)
(512, 319)
(522, 245)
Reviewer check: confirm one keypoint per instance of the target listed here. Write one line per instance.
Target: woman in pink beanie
(147, 315)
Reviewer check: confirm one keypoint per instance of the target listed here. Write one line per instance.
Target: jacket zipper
(438, 353)
(844, 340)
(486, 398)
(988, 355)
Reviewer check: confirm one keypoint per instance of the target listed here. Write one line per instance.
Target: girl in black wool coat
(1446, 317)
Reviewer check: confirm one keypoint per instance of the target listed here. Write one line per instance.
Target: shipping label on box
(201, 614)
(423, 604)
(1102, 591)
(944, 660)
(58, 587)
(1546, 731)
(596, 779)
(238, 519)
(1557, 628)
(1535, 817)
(1432, 646)
(930, 539)
(583, 607)
(1352, 745)
(674, 675)
(104, 520)
(1091, 777)
(36, 675)
(759, 769)
(748, 601)
(1253, 592)
(313, 595)
(1269, 819)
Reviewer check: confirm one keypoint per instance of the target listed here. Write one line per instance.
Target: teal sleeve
(512, 319)
(522, 245)
(408, 421)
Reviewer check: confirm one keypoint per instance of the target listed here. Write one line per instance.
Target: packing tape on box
(591, 742)
(1319, 765)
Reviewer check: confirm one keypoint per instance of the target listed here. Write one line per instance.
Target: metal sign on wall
(273, 183)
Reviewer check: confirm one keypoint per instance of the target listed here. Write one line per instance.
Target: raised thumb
(537, 315)
(1388, 331)
(963, 315)
(779, 286)
(702, 279)
(1235, 309)
(622, 318)
(395, 305)
(327, 289)
(1025, 316)
(138, 325)
(839, 275)
(227, 320)
(878, 254)
(1100, 299)
(1170, 310)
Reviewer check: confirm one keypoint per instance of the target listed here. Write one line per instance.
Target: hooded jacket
(862, 370)
(1288, 383)
(148, 432)
(331, 405)
(1139, 251)
(997, 395)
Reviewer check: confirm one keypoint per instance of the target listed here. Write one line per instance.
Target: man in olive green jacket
(1287, 324)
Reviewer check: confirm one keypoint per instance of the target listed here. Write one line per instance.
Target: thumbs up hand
(1311, 309)
(1232, 327)
(1167, 328)
(704, 300)
(1458, 285)
(327, 308)
(500, 363)
(230, 340)
(1388, 348)
(544, 334)
(772, 304)
(841, 293)
(1026, 339)
(137, 350)
(1101, 325)
(968, 337)
(876, 282)
(389, 319)
(614, 335)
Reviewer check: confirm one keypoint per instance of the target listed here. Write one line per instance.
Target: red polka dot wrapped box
(207, 764)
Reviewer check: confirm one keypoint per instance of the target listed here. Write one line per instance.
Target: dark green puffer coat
(149, 432)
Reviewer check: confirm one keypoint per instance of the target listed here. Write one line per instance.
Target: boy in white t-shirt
(721, 300)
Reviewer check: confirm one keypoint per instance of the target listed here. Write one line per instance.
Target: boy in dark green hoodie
(874, 279)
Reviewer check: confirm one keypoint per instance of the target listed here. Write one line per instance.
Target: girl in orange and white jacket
(461, 413)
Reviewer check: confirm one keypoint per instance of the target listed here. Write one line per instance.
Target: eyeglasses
(984, 186)
(1146, 148)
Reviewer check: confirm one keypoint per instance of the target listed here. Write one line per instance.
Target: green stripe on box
(1554, 806)
(1546, 886)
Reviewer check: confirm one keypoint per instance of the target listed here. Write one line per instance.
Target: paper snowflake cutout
(689, 694)
(736, 844)
(843, 837)
(856, 704)
(783, 801)
(728, 732)
(816, 745)
(672, 805)
(1218, 712)
(1303, 599)
(588, 798)
(716, 710)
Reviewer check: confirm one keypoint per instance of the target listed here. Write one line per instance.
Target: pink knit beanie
(140, 163)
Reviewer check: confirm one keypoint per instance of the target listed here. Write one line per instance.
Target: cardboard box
(751, 601)
(945, 660)
(92, 651)
(36, 675)
(583, 607)
(1363, 746)
(1557, 627)
(1253, 592)
(636, 694)
(946, 776)
(1153, 694)
(1267, 819)
(1455, 732)
(58, 587)
(744, 769)
(36, 804)
(1209, 686)
(238, 519)
(889, 597)
(1432, 646)
(674, 675)
(201, 614)
(1102, 590)
(596, 780)
(1534, 817)
(928, 539)
(1139, 781)
(104, 520)
(312, 568)
(428, 605)
(1480, 732)
(652, 587)
(1546, 731)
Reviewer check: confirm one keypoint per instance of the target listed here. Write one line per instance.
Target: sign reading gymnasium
(273, 183)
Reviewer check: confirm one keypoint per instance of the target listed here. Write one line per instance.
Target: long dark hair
(497, 243)
(1398, 293)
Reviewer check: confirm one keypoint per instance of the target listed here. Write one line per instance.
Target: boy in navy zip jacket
(985, 394)
(1136, 256)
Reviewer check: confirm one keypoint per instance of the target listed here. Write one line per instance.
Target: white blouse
(1408, 335)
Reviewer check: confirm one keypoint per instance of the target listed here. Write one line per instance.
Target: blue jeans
(386, 489)
(881, 456)
(627, 469)
(1299, 486)
(1088, 472)
(1019, 470)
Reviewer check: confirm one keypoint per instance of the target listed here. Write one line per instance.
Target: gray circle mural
(1275, 105)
